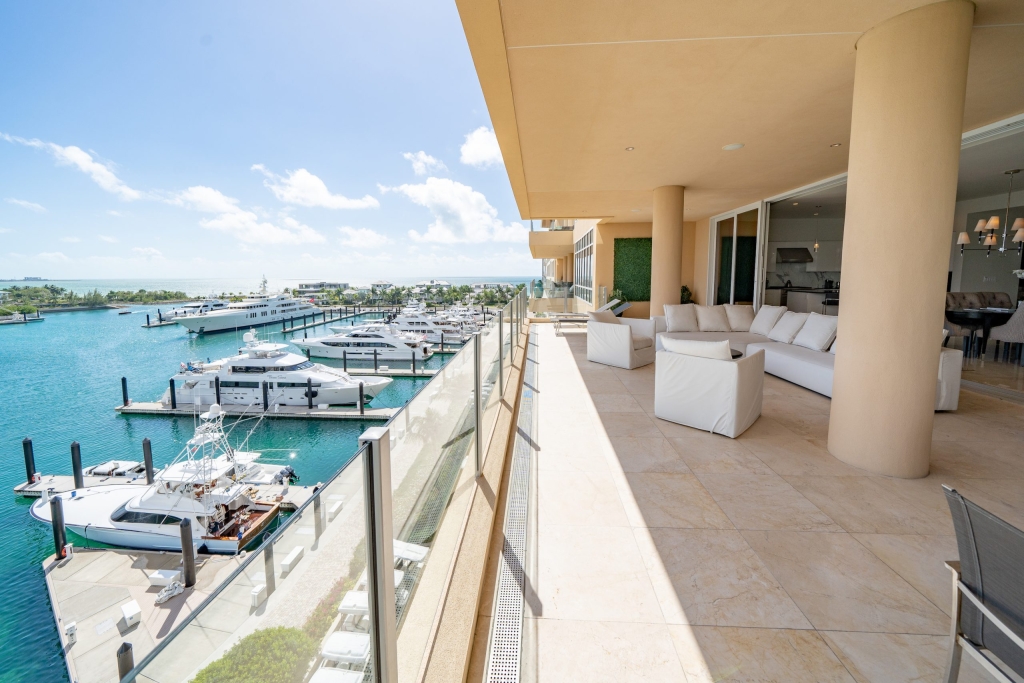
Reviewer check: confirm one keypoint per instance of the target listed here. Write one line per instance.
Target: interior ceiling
(571, 84)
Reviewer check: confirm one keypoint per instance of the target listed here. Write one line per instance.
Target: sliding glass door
(734, 257)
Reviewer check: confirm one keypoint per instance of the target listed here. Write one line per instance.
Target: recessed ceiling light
(836, 144)
(635, 210)
(815, 214)
(629, 149)
(796, 203)
(733, 146)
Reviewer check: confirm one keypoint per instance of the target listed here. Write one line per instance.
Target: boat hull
(204, 393)
(339, 353)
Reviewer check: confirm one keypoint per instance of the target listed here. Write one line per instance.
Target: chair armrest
(660, 325)
(640, 327)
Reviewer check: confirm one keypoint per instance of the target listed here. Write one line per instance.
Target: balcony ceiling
(570, 84)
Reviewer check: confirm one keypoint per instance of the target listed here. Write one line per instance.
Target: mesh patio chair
(988, 591)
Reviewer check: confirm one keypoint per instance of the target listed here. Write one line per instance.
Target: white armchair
(720, 396)
(628, 343)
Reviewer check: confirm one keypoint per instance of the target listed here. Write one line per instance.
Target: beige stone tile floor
(669, 554)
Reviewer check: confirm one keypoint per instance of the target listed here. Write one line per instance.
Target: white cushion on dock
(326, 675)
(293, 559)
(355, 602)
(333, 511)
(259, 594)
(164, 577)
(131, 612)
(347, 647)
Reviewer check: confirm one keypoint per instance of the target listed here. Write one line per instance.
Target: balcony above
(551, 243)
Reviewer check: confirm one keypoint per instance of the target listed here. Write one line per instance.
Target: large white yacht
(286, 374)
(430, 327)
(255, 310)
(195, 308)
(205, 484)
(362, 341)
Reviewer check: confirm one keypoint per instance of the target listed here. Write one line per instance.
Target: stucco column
(908, 103)
(667, 245)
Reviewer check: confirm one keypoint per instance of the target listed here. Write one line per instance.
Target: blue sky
(342, 140)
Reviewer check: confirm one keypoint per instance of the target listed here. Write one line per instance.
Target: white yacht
(195, 308)
(429, 327)
(286, 374)
(205, 484)
(362, 341)
(255, 310)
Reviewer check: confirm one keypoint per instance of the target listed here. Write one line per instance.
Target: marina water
(60, 380)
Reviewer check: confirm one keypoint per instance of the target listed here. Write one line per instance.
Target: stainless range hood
(794, 255)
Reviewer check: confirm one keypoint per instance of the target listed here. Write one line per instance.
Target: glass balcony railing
(313, 602)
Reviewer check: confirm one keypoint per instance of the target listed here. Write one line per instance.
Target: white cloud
(31, 206)
(245, 225)
(114, 213)
(54, 257)
(305, 189)
(481, 149)
(362, 238)
(107, 238)
(423, 163)
(4, 231)
(71, 240)
(100, 173)
(147, 252)
(461, 214)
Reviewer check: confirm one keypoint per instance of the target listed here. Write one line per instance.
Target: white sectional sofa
(809, 368)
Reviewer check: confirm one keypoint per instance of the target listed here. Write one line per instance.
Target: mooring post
(125, 660)
(60, 538)
(309, 391)
(159, 315)
(188, 553)
(268, 568)
(414, 362)
(174, 396)
(147, 459)
(265, 392)
(283, 330)
(307, 354)
(147, 320)
(76, 465)
(216, 388)
(30, 460)
(344, 360)
(442, 342)
(375, 360)
(362, 403)
(124, 391)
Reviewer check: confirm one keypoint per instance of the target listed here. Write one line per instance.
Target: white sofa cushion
(765, 319)
(788, 327)
(712, 319)
(603, 317)
(642, 342)
(704, 349)
(740, 317)
(818, 332)
(738, 340)
(832, 349)
(810, 369)
(681, 318)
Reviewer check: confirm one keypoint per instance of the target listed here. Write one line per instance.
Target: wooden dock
(293, 412)
(165, 323)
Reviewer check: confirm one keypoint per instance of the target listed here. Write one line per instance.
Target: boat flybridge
(195, 308)
(209, 483)
(287, 376)
(362, 341)
(253, 311)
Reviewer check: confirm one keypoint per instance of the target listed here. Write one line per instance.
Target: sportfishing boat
(196, 308)
(253, 311)
(287, 376)
(361, 342)
(205, 485)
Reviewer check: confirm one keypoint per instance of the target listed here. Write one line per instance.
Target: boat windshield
(260, 369)
(123, 514)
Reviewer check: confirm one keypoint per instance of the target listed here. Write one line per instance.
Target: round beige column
(908, 102)
(667, 247)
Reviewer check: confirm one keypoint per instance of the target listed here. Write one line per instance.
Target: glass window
(583, 278)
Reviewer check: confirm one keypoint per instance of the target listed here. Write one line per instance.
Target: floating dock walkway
(300, 412)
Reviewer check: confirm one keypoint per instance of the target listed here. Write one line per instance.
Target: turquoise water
(60, 382)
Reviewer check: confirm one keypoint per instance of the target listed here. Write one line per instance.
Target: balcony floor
(664, 553)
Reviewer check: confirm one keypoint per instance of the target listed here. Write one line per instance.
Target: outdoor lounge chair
(562, 318)
(988, 591)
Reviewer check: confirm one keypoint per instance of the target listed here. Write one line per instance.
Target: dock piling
(216, 388)
(147, 457)
(283, 330)
(60, 537)
(375, 360)
(147, 320)
(414, 362)
(124, 391)
(307, 354)
(174, 396)
(30, 460)
(309, 390)
(125, 660)
(344, 360)
(160, 316)
(266, 401)
(76, 465)
(188, 553)
(362, 403)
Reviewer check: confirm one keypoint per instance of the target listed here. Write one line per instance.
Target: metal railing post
(380, 554)
(501, 354)
(477, 393)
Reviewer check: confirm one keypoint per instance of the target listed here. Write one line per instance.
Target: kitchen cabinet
(805, 302)
(773, 297)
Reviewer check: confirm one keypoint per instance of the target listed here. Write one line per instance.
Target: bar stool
(829, 302)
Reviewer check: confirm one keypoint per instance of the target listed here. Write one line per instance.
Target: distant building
(381, 286)
(434, 284)
(318, 291)
(481, 286)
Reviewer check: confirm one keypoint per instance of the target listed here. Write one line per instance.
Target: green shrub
(25, 308)
(632, 271)
(685, 295)
(6, 311)
(272, 655)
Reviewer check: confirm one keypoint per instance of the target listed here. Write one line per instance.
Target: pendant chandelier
(987, 230)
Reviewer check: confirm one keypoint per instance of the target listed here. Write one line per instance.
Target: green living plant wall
(632, 273)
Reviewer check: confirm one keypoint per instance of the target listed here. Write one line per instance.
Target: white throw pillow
(740, 317)
(603, 317)
(718, 350)
(765, 319)
(681, 318)
(818, 332)
(788, 327)
(712, 319)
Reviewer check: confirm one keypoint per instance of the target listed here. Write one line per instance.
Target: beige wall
(702, 232)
